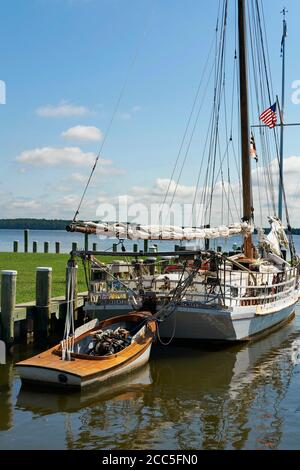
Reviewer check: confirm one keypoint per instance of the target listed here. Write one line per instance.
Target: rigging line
(115, 110)
(226, 133)
(188, 124)
(234, 65)
(267, 46)
(187, 150)
(263, 49)
(264, 137)
(292, 248)
(200, 172)
(259, 193)
(217, 88)
(220, 89)
(239, 180)
(255, 92)
(218, 69)
(215, 183)
(233, 90)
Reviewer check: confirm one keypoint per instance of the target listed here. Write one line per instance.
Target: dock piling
(94, 246)
(46, 247)
(34, 247)
(86, 241)
(8, 302)
(16, 246)
(26, 240)
(57, 247)
(43, 301)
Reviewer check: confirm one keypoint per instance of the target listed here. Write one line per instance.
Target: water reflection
(187, 397)
(41, 401)
(6, 403)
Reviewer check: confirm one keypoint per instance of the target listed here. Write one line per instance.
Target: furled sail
(275, 238)
(158, 232)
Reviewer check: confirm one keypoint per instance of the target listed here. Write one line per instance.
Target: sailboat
(207, 294)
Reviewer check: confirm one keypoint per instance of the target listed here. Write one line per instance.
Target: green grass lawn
(26, 264)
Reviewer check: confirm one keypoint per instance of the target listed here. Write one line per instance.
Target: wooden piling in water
(16, 246)
(94, 246)
(145, 246)
(115, 248)
(46, 247)
(26, 240)
(86, 241)
(8, 302)
(57, 247)
(43, 302)
(135, 248)
(34, 247)
(74, 246)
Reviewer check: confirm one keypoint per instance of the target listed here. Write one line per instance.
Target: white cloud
(63, 204)
(160, 187)
(83, 133)
(79, 177)
(26, 204)
(63, 109)
(107, 171)
(51, 156)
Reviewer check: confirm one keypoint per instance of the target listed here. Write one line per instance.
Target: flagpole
(284, 34)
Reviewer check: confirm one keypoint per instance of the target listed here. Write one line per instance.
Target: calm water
(66, 239)
(238, 397)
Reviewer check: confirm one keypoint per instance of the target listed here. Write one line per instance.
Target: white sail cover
(167, 232)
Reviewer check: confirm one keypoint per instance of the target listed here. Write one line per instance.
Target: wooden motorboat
(86, 367)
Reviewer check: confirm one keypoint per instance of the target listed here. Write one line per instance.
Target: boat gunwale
(134, 316)
(99, 373)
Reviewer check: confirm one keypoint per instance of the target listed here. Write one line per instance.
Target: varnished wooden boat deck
(83, 367)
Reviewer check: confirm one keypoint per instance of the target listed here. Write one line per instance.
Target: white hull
(45, 375)
(205, 323)
(218, 324)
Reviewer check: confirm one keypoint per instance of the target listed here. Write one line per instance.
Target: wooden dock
(25, 313)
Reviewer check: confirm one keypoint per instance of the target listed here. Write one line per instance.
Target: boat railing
(258, 288)
(243, 288)
(228, 287)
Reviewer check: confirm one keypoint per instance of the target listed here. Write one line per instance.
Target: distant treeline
(34, 224)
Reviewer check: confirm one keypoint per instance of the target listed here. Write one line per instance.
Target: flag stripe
(269, 116)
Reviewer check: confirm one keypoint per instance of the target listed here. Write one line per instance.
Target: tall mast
(245, 140)
(284, 34)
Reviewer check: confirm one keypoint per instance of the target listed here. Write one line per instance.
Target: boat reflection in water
(43, 401)
(187, 397)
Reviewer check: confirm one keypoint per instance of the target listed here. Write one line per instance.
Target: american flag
(269, 117)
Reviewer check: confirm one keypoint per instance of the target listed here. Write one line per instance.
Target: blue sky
(64, 63)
